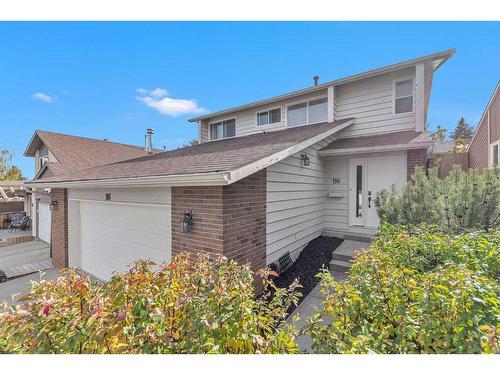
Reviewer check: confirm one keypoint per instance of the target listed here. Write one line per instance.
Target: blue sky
(82, 78)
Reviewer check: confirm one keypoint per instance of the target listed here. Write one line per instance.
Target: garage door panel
(114, 235)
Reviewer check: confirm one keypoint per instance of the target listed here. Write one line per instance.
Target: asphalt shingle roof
(76, 153)
(216, 156)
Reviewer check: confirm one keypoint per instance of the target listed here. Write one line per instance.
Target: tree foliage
(8, 171)
(461, 200)
(187, 306)
(463, 131)
(418, 291)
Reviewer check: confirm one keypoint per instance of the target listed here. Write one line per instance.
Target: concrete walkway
(315, 299)
(21, 285)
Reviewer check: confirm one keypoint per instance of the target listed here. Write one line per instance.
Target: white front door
(369, 176)
(44, 219)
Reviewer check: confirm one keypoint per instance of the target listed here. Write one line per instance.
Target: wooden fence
(449, 160)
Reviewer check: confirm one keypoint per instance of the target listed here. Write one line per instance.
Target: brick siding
(415, 158)
(59, 228)
(229, 220)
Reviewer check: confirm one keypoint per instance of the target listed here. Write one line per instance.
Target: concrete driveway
(20, 286)
(21, 263)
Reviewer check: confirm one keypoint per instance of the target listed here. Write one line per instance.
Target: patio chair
(18, 221)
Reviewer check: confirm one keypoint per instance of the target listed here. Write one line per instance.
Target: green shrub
(460, 201)
(419, 292)
(187, 306)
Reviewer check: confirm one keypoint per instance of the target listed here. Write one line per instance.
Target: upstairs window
(309, 112)
(403, 96)
(269, 117)
(223, 129)
(43, 160)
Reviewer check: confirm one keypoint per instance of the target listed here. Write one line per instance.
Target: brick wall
(206, 202)
(245, 220)
(229, 220)
(59, 228)
(415, 158)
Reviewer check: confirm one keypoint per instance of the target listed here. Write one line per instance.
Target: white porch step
(343, 255)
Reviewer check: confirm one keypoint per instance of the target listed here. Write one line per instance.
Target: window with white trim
(43, 160)
(403, 96)
(223, 129)
(271, 116)
(309, 112)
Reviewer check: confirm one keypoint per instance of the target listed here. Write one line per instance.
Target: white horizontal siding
(295, 203)
(370, 101)
(336, 209)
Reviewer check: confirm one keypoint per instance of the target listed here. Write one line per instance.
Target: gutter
(208, 179)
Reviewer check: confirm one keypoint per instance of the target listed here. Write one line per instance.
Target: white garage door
(44, 222)
(113, 235)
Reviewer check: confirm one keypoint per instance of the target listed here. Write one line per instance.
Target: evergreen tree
(463, 131)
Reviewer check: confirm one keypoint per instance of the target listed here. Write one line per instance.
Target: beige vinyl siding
(336, 209)
(295, 200)
(246, 121)
(371, 102)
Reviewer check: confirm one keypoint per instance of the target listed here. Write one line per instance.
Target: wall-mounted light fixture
(53, 204)
(187, 221)
(305, 160)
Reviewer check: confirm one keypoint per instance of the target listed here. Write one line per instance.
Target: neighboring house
(56, 154)
(483, 150)
(266, 178)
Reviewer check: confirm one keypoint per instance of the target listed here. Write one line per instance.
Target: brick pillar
(415, 158)
(59, 228)
(245, 220)
(229, 220)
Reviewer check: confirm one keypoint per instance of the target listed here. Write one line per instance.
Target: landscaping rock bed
(315, 256)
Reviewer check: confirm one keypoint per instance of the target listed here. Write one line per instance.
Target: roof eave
(385, 148)
(444, 55)
(195, 179)
(27, 152)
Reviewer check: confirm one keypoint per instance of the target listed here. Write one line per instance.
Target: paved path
(21, 285)
(314, 299)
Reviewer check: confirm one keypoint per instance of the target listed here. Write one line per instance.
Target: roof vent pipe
(148, 140)
(315, 80)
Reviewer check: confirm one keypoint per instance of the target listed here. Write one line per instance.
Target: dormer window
(43, 161)
(223, 129)
(403, 96)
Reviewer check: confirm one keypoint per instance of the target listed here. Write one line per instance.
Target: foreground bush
(420, 292)
(463, 200)
(200, 306)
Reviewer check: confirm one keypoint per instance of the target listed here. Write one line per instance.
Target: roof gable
(76, 153)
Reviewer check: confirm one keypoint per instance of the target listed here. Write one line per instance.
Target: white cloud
(44, 97)
(158, 100)
(159, 93)
(141, 91)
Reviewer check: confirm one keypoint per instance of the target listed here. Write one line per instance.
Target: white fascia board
(366, 150)
(199, 179)
(258, 165)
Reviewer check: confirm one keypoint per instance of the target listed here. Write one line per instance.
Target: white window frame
(394, 82)
(222, 120)
(42, 160)
(269, 123)
(307, 109)
(492, 145)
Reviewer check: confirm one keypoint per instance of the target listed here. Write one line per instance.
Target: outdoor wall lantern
(305, 160)
(186, 221)
(53, 204)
